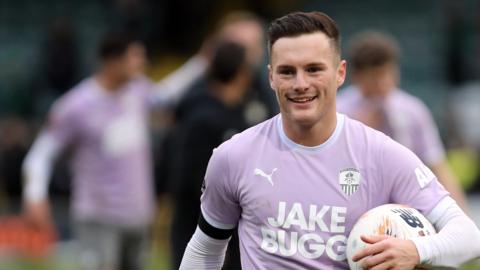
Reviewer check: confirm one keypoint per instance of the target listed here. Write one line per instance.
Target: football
(389, 219)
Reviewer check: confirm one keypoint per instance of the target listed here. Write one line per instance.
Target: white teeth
(302, 100)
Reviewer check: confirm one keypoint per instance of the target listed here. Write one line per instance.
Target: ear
(270, 77)
(341, 72)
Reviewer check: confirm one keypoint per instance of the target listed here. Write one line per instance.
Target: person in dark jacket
(207, 118)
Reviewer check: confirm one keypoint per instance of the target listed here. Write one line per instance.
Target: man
(214, 115)
(375, 100)
(103, 120)
(281, 181)
(243, 28)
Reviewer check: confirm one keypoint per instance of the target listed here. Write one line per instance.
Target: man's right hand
(38, 214)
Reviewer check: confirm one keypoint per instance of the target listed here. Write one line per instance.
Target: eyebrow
(316, 64)
(284, 66)
(313, 64)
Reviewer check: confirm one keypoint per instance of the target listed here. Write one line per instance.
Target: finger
(372, 239)
(368, 251)
(374, 260)
(383, 266)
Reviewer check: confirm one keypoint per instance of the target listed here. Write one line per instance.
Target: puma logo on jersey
(261, 173)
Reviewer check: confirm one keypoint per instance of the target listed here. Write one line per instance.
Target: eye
(286, 71)
(313, 69)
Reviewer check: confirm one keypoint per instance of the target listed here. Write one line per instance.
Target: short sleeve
(143, 87)
(408, 180)
(219, 204)
(62, 123)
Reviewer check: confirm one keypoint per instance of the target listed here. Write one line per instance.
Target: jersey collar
(298, 147)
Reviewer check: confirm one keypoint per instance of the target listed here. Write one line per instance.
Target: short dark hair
(370, 49)
(228, 59)
(115, 43)
(298, 23)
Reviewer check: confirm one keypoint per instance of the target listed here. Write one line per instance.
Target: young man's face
(135, 59)
(305, 72)
(130, 64)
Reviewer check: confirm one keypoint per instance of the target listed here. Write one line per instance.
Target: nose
(301, 83)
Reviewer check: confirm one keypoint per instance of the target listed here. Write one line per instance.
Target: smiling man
(295, 184)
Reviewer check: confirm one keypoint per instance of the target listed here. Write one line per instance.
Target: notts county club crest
(349, 179)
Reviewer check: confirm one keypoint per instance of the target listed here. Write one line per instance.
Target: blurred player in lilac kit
(104, 121)
(374, 99)
(296, 183)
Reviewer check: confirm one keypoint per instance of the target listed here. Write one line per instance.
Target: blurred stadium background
(48, 46)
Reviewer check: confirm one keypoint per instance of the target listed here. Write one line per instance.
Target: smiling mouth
(301, 99)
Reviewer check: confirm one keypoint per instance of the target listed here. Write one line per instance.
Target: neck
(109, 81)
(311, 135)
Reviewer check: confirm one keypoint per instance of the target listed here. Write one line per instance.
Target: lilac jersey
(111, 162)
(295, 205)
(409, 121)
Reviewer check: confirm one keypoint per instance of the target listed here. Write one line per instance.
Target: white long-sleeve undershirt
(37, 167)
(204, 252)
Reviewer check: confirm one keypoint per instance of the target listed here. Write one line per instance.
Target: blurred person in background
(375, 99)
(59, 70)
(215, 114)
(13, 148)
(178, 89)
(246, 29)
(103, 121)
(464, 105)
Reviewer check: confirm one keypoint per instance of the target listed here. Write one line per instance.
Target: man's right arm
(220, 212)
(36, 169)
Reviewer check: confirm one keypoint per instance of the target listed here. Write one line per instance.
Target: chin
(303, 119)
